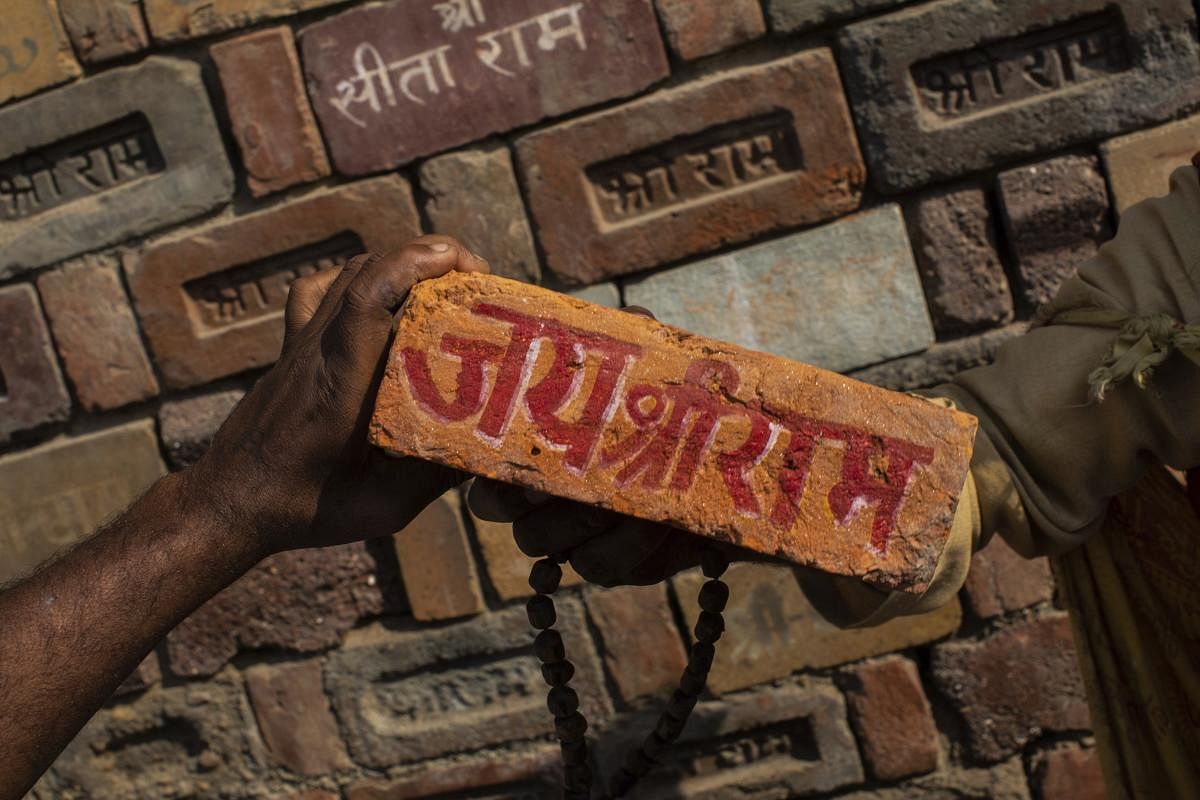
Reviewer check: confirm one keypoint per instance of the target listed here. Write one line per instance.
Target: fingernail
(439, 247)
(534, 497)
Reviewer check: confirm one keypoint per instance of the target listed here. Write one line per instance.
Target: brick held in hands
(529, 386)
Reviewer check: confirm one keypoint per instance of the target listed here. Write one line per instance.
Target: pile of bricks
(878, 187)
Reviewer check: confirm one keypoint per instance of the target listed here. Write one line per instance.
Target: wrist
(225, 535)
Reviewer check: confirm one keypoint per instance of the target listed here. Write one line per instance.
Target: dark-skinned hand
(606, 548)
(292, 466)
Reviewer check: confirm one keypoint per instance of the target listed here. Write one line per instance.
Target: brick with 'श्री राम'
(528, 386)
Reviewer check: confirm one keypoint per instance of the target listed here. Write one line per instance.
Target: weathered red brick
(690, 169)
(639, 639)
(844, 476)
(893, 718)
(96, 333)
(1069, 774)
(30, 382)
(697, 28)
(1140, 165)
(36, 48)
(1056, 215)
(294, 717)
(1013, 685)
(954, 238)
(391, 83)
(439, 572)
(1000, 580)
(104, 29)
(211, 300)
(530, 774)
(507, 567)
(146, 675)
(315, 794)
(768, 615)
(299, 601)
(269, 111)
(473, 196)
(172, 20)
(187, 426)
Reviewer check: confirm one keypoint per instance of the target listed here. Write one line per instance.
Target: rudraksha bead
(545, 576)
(713, 596)
(713, 564)
(558, 674)
(571, 727)
(709, 627)
(562, 701)
(549, 648)
(540, 609)
(701, 656)
(668, 728)
(680, 706)
(692, 683)
(574, 752)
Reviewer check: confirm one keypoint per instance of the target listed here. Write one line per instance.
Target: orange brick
(529, 386)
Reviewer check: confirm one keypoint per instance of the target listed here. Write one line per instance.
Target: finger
(640, 311)
(304, 298)
(332, 300)
(561, 526)
(609, 559)
(495, 501)
(359, 330)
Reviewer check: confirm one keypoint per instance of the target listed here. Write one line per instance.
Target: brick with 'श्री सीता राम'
(612, 409)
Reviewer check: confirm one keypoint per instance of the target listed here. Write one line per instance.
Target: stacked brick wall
(880, 187)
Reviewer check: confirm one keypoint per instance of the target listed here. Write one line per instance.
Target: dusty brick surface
(804, 462)
(192, 740)
(1014, 685)
(120, 154)
(211, 301)
(774, 297)
(59, 492)
(532, 774)
(104, 29)
(1001, 581)
(790, 740)
(440, 577)
(943, 89)
(96, 334)
(300, 601)
(791, 16)
(30, 381)
(1139, 165)
(294, 717)
(473, 196)
(403, 696)
(146, 675)
(272, 120)
(940, 363)
(690, 169)
(639, 640)
(187, 426)
(460, 79)
(697, 28)
(37, 53)
(1069, 774)
(892, 718)
(768, 617)
(1056, 215)
(173, 21)
(954, 238)
(507, 567)
(1003, 782)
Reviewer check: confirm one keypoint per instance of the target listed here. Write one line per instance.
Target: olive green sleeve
(1049, 456)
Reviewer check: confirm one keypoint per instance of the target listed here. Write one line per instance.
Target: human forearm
(77, 628)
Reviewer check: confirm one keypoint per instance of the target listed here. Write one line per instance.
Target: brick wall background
(883, 188)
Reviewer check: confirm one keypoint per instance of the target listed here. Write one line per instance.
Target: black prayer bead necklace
(570, 725)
